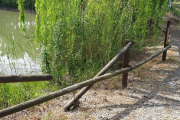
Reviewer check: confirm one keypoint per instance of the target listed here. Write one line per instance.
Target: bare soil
(153, 92)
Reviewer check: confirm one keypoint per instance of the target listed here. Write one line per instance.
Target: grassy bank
(175, 9)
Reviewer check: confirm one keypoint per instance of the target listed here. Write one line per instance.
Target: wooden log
(166, 40)
(25, 78)
(104, 70)
(72, 88)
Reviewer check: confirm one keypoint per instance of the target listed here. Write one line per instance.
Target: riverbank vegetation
(77, 38)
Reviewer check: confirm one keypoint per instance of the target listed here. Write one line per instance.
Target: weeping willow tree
(78, 35)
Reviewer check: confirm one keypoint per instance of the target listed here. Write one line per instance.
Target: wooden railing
(89, 83)
(24, 78)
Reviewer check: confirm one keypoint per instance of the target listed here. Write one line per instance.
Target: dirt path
(161, 94)
(153, 93)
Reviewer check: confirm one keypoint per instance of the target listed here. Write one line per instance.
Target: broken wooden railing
(86, 84)
(104, 70)
(57, 94)
(36, 101)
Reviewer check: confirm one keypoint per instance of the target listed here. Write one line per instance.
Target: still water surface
(18, 54)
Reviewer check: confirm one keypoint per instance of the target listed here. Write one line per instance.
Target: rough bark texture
(28, 78)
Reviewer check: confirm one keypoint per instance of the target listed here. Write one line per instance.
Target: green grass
(175, 9)
(177, 3)
(14, 93)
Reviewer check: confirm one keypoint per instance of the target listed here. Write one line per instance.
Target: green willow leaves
(77, 36)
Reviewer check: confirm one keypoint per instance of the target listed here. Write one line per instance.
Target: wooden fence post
(125, 64)
(166, 40)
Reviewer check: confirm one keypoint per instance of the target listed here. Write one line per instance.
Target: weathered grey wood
(104, 70)
(72, 88)
(24, 78)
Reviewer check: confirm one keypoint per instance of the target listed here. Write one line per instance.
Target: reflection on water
(18, 54)
(23, 65)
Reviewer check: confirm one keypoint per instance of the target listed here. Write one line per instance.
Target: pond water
(18, 54)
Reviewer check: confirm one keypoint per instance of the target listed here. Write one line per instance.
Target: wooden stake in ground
(166, 40)
(125, 64)
(104, 70)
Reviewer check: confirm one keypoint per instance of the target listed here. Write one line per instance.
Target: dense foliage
(77, 36)
(175, 9)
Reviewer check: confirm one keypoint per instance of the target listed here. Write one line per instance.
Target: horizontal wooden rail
(72, 88)
(24, 78)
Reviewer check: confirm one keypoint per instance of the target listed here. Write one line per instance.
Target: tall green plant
(75, 36)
